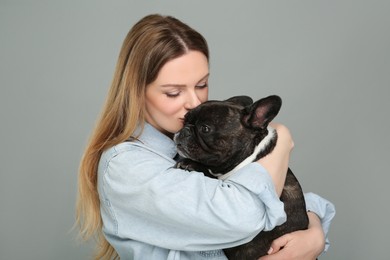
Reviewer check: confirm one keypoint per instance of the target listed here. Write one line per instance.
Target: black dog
(219, 136)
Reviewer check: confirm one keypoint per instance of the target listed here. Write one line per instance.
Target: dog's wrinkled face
(220, 133)
(209, 131)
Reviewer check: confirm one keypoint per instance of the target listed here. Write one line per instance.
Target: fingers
(297, 245)
(279, 243)
(276, 246)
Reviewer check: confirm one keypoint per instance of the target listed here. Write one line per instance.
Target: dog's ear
(261, 113)
(241, 100)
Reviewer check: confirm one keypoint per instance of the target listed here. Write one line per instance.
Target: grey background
(329, 60)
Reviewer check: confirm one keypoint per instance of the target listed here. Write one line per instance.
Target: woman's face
(181, 85)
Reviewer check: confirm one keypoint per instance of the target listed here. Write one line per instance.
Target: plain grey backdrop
(328, 60)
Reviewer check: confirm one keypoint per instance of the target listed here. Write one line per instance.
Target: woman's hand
(303, 245)
(276, 163)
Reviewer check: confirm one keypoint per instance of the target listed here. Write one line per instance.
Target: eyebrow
(183, 85)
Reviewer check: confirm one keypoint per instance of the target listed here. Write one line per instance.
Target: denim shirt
(150, 210)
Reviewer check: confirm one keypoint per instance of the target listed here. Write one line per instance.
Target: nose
(185, 132)
(192, 101)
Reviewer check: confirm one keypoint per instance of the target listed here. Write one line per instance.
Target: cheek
(169, 106)
(157, 103)
(203, 95)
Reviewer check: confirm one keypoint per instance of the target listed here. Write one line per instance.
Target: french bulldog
(220, 137)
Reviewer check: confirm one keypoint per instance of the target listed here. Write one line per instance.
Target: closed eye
(201, 86)
(172, 94)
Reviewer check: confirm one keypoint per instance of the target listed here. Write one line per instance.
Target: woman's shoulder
(127, 147)
(135, 151)
(127, 158)
(122, 155)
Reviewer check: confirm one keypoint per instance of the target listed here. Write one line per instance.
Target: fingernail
(270, 250)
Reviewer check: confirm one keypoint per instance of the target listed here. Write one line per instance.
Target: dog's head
(220, 134)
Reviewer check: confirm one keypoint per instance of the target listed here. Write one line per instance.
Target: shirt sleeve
(324, 209)
(144, 198)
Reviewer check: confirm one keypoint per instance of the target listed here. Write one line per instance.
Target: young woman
(137, 204)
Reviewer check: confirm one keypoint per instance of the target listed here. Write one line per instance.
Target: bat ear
(262, 112)
(241, 100)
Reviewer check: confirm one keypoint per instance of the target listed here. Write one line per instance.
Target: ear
(261, 113)
(241, 100)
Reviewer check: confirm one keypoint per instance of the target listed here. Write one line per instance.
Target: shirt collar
(156, 140)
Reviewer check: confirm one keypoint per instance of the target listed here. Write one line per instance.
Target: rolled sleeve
(324, 209)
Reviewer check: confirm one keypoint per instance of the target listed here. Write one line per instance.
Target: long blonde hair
(153, 41)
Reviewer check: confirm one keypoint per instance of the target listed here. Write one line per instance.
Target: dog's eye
(205, 129)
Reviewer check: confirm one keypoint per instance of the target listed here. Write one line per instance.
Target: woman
(133, 199)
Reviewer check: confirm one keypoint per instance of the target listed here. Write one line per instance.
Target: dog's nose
(186, 131)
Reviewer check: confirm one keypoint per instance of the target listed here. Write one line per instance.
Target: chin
(174, 129)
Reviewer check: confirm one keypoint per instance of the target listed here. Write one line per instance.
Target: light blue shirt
(151, 210)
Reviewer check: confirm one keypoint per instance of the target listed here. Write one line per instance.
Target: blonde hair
(153, 41)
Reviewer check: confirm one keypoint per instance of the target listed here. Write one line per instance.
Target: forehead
(184, 70)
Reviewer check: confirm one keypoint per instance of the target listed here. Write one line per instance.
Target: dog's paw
(190, 165)
(186, 164)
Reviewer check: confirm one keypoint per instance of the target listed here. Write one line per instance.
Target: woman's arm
(140, 190)
(307, 244)
(310, 243)
(276, 163)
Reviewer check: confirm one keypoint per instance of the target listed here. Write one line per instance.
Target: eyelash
(173, 95)
(205, 85)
